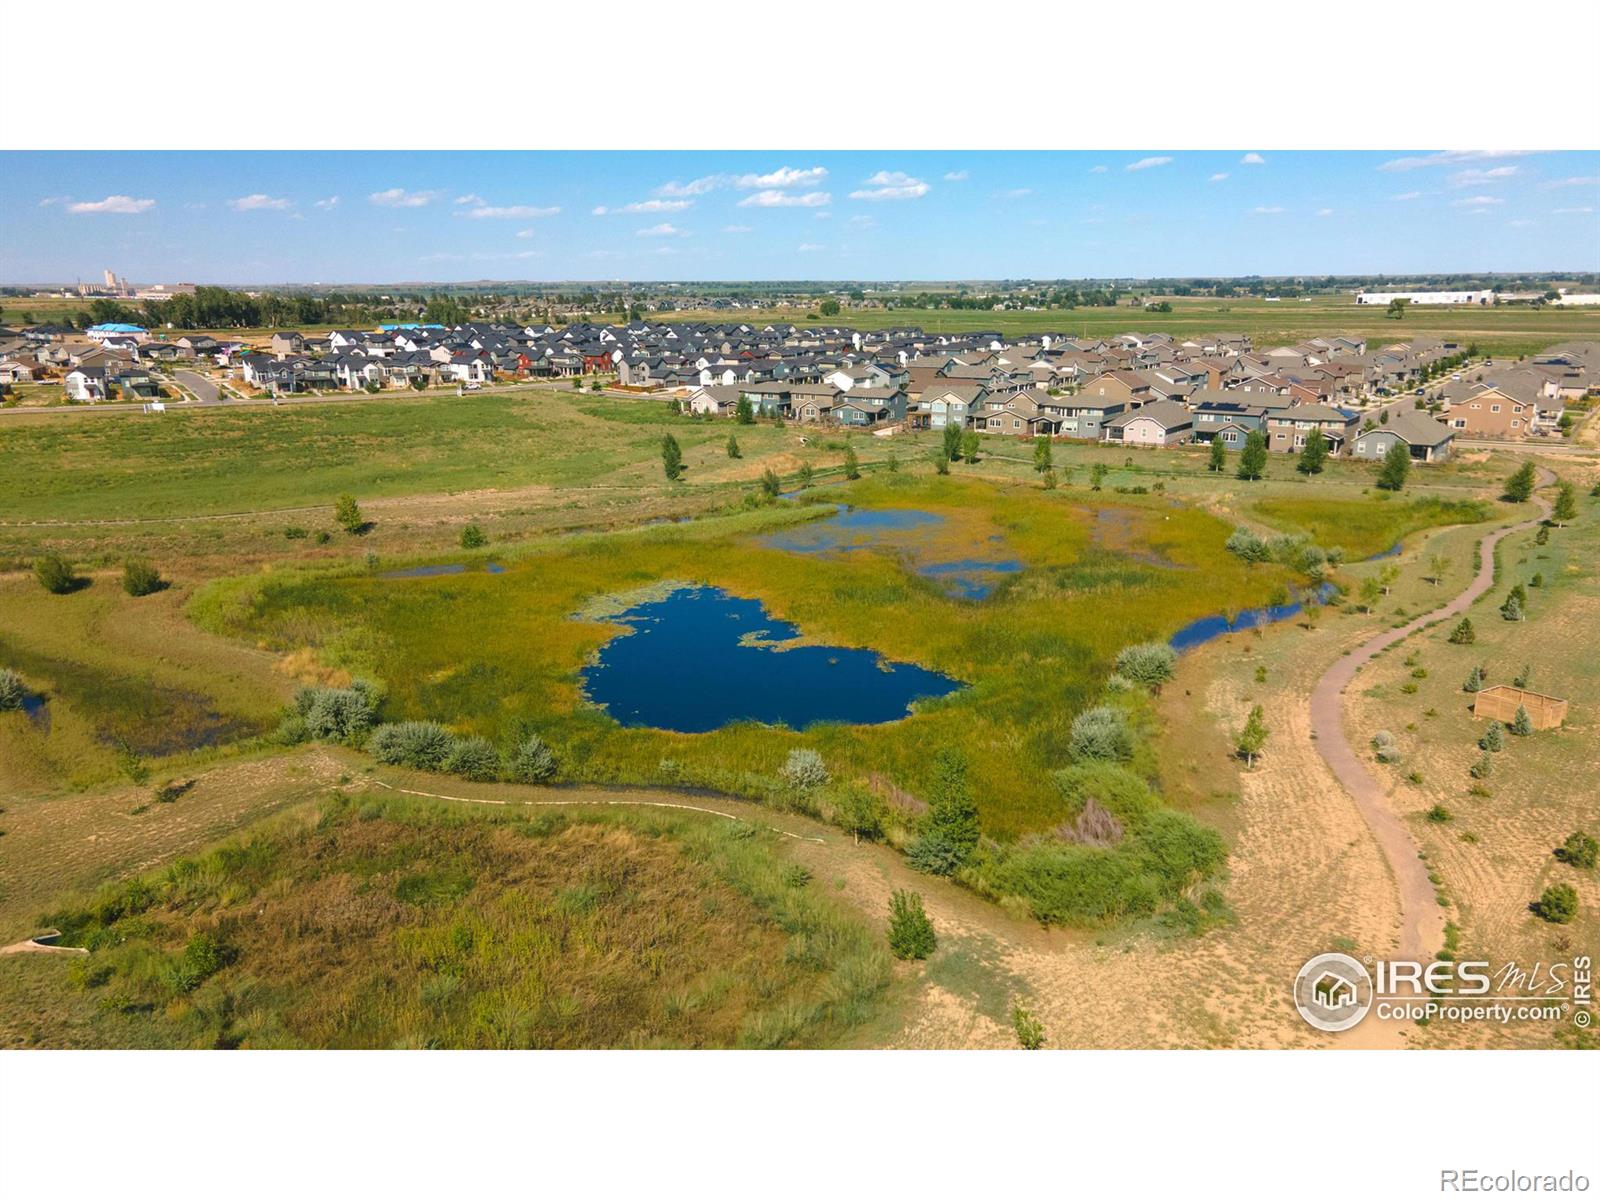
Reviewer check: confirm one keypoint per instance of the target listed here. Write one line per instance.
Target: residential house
(1160, 423)
(1425, 439)
(1288, 428)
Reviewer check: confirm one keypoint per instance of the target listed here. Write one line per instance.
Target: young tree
(1253, 458)
(1396, 466)
(969, 445)
(1522, 724)
(807, 474)
(139, 578)
(744, 412)
(1314, 456)
(1493, 740)
(1579, 850)
(1028, 1028)
(1097, 476)
(347, 514)
(54, 574)
(1558, 904)
(1048, 480)
(1387, 574)
(1566, 506)
(1524, 677)
(1474, 681)
(733, 447)
(1218, 461)
(952, 441)
(1520, 485)
(858, 812)
(952, 813)
(1043, 456)
(1371, 589)
(941, 462)
(771, 485)
(1511, 610)
(1463, 634)
(852, 465)
(1252, 737)
(1483, 768)
(671, 458)
(1438, 564)
(473, 538)
(911, 934)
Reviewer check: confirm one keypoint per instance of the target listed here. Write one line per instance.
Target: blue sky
(380, 217)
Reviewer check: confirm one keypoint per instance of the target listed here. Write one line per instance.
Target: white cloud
(599, 210)
(863, 220)
(737, 229)
(1407, 196)
(512, 212)
(1144, 164)
(807, 247)
(112, 204)
(1253, 160)
(1476, 201)
(527, 233)
(1267, 209)
(1585, 208)
(695, 187)
(665, 229)
(1100, 170)
(655, 206)
(49, 200)
(471, 198)
(775, 199)
(1218, 177)
(891, 185)
(1520, 223)
(1473, 177)
(400, 198)
(257, 202)
(956, 176)
(1012, 193)
(1324, 212)
(1575, 181)
(1445, 158)
(783, 177)
(327, 202)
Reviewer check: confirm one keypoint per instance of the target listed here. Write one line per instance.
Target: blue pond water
(876, 528)
(701, 659)
(1391, 552)
(1197, 633)
(37, 708)
(433, 569)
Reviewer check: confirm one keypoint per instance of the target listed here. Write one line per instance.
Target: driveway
(205, 390)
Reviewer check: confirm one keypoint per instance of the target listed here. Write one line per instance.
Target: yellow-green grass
(120, 673)
(369, 920)
(1367, 526)
(481, 651)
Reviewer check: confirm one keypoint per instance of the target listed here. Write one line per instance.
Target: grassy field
(370, 920)
(1364, 527)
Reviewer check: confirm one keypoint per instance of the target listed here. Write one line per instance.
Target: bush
(532, 761)
(11, 690)
(421, 745)
(54, 574)
(1558, 904)
(1483, 768)
(1149, 663)
(347, 514)
(858, 812)
(1579, 850)
(294, 532)
(1388, 750)
(1101, 735)
(140, 578)
(1438, 815)
(472, 538)
(1492, 738)
(935, 854)
(473, 758)
(338, 714)
(1247, 546)
(1028, 1028)
(803, 771)
(1463, 634)
(911, 934)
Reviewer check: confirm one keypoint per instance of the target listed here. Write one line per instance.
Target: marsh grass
(1367, 526)
(375, 921)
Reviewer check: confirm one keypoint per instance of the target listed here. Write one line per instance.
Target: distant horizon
(302, 219)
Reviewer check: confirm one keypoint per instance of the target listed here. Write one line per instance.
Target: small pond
(886, 529)
(433, 569)
(1197, 633)
(38, 710)
(700, 659)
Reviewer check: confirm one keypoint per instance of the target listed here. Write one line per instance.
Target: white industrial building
(1384, 298)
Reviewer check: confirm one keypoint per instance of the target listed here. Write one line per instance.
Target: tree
(1387, 574)
(911, 934)
(347, 514)
(807, 474)
(941, 462)
(1396, 466)
(1579, 850)
(771, 485)
(1252, 737)
(671, 458)
(1520, 485)
(733, 447)
(952, 441)
(1483, 768)
(1463, 634)
(1474, 681)
(1371, 589)
(1097, 476)
(1043, 456)
(1492, 740)
(473, 538)
(1438, 564)
(1511, 610)
(1101, 734)
(952, 813)
(969, 445)
(1557, 904)
(1253, 458)
(803, 770)
(1149, 663)
(139, 578)
(1524, 677)
(852, 465)
(858, 812)
(744, 413)
(1314, 455)
(54, 574)
(531, 761)
(1397, 309)
(1218, 461)
(1028, 1028)
(829, 308)
(1522, 724)
(1566, 506)
(12, 693)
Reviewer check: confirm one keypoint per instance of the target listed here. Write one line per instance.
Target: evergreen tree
(1463, 634)
(1253, 458)
(1566, 508)
(852, 465)
(1474, 681)
(1252, 737)
(1218, 461)
(952, 441)
(1314, 455)
(744, 412)
(1511, 610)
(1492, 740)
(771, 485)
(911, 934)
(1520, 486)
(671, 458)
(1396, 466)
(952, 814)
(733, 447)
(1522, 724)
(1043, 458)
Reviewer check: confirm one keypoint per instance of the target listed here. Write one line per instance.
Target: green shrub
(804, 770)
(1558, 904)
(472, 538)
(1247, 546)
(911, 934)
(1438, 815)
(858, 812)
(294, 532)
(952, 820)
(1148, 663)
(338, 714)
(421, 745)
(347, 514)
(202, 958)
(139, 578)
(935, 854)
(473, 758)
(1101, 735)
(1493, 740)
(12, 692)
(1522, 724)
(1579, 850)
(532, 761)
(1028, 1028)
(54, 574)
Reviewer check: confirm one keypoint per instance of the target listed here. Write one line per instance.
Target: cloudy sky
(379, 217)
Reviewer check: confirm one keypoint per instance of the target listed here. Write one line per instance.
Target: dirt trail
(1422, 918)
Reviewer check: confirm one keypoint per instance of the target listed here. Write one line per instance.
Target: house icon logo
(1333, 992)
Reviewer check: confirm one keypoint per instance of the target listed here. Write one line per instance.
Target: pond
(1197, 633)
(38, 710)
(898, 531)
(701, 658)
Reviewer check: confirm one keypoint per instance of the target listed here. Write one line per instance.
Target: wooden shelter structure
(1500, 703)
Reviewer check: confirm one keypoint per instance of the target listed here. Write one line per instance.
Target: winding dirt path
(1422, 919)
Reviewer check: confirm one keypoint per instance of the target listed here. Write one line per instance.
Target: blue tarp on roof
(408, 325)
(116, 327)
